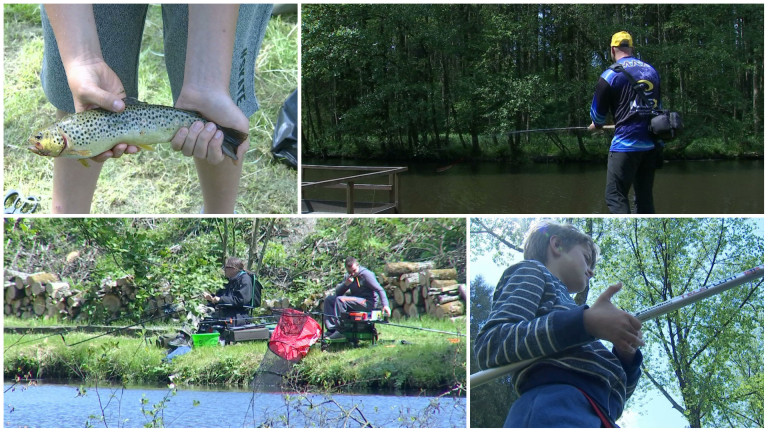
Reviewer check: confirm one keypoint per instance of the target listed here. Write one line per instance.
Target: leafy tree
(404, 81)
(295, 258)
(706, 358)
(489, 403)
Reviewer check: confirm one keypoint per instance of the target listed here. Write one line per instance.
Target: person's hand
(386, 311)
(605, 321)
(349, 279)
(204, 141)
(95, 85)
(626, 355)
(208, 297)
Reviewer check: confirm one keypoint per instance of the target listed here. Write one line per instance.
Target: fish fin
(133, 101)
(147, 147)
(84, 162)
(232, 139)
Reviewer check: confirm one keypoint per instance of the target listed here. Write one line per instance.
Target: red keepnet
(294, 334)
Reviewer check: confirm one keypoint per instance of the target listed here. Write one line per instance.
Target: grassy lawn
(161, 181)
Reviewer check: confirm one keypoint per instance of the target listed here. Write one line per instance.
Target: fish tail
(232, 140)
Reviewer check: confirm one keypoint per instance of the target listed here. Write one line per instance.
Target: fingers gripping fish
(92, 132)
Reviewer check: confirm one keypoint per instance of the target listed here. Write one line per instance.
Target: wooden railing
(351, 184)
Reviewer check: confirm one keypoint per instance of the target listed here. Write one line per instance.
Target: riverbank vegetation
(295, 259)
(161, 181)
(403, 360)
(447, 82)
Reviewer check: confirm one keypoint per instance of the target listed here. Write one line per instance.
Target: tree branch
(490, 232)
(658, 386)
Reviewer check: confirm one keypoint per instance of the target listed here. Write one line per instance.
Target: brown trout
(90, 133)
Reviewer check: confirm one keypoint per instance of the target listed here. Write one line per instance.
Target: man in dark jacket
(363, 289)
(633, 153)
(232, 300)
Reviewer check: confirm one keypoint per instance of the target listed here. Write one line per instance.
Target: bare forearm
(75, 29)
(210, 41)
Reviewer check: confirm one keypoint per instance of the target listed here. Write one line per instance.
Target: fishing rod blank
(381, 321)
(167, 310)
(675, 303)
(561, 129)
(418, 328)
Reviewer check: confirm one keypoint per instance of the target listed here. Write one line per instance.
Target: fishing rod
(675, 303)
(456, 333)
(375, 317)
(167, 309)
(561, 129)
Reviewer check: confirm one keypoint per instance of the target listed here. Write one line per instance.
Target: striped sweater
(534, 316)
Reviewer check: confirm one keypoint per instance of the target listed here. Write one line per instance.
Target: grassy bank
(404, 359)
(160, 181)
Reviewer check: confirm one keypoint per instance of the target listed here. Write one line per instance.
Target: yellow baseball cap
(622, 39)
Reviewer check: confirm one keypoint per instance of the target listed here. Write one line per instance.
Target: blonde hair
(537, 241)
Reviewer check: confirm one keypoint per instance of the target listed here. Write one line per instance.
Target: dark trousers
(552, 406)
(334, 306)
(630, 169)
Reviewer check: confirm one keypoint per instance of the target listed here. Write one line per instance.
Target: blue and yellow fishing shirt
(614, 93)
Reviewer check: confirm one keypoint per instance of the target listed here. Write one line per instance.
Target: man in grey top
(363, 289)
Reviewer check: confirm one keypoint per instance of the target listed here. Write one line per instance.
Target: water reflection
(682, 187)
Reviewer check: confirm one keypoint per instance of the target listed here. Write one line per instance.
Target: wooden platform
(361, 178)
(331, 207)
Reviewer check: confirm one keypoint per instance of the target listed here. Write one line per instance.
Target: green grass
(429, 361)
(162, 181)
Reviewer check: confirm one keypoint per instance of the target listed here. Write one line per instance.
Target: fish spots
(98, 130)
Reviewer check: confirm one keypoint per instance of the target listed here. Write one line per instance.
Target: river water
(681, 187)
(60, 406)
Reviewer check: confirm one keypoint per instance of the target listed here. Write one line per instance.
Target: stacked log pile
(415, 289)
(45, 295)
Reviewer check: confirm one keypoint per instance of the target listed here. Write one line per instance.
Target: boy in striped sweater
(577, 382)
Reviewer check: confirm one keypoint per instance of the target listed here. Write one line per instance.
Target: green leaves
(707, 357)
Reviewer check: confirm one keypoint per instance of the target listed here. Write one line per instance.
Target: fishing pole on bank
(168, 310)
(381, 321)
(420, 328)
(646, 314)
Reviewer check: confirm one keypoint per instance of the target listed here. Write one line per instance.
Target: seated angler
(363, 288)
(234, 299)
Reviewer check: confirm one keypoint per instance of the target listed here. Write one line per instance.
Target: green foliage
(404, 81)
(182, 257)
(706, 358)
(22, 12)
(275, 255)
(154, 415)
(489, 403)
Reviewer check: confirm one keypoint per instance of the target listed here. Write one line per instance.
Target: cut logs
(43, 294)
(415, 289)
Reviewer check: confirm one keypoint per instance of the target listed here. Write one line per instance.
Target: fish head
(48, 142)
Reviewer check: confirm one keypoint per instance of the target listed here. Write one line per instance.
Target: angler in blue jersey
(632, 160)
